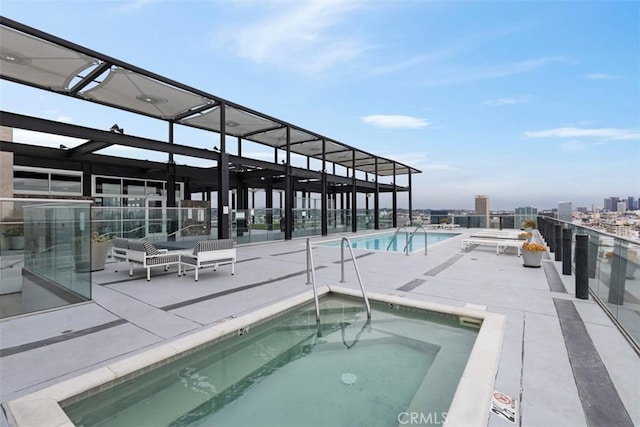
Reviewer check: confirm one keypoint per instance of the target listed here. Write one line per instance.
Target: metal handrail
(406, 248)
(353, 258)
(396, 234)
(311, 278)
(357, 338)
(133, 229)
(183, 228)
(10, 265)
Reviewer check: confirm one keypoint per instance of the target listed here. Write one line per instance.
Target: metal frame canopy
(34, 58)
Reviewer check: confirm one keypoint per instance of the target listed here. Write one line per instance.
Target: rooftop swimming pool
(278, 367)
(380, 242)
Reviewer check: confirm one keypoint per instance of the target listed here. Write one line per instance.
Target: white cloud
(601, 76)
(452, 48)
(611, 134)
(507, 101)
(300, 36)
(477, 73)
(416, 159)
(395, 121)
(573, 146)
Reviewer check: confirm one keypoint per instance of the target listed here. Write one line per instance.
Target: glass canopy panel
(135, 92)
(386, 168)
(33, 61)
(365, 162)
(238, 122)
(344, 157)
(278, 137)
(308, 148)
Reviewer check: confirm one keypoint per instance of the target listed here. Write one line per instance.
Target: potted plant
(532, 254)
(99, 249)
(607, 256)
(15, 234)
(525, 236)
(528, 224)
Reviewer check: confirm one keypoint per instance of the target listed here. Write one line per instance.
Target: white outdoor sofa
(147, 255)
(209, 253)
(500, 244)
(119, 250)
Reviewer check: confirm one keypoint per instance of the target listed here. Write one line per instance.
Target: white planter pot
(99, 252)
(532, 259)
(16, 242)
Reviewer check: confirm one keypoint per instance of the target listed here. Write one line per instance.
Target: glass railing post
(582, 279)
(558, 242)
(594, 243)
(567, 235)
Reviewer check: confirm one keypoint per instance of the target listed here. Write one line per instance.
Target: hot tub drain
(348, 378)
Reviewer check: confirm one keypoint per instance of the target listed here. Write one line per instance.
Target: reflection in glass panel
(107, 201)
(30, 181)
(108, 185)
(133, 187)
(134, 202)
(155, 188)
(133, 218)
(155, 214)
(66, 183)
(57, 263)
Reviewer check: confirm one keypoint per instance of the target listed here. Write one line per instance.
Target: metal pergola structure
(31, 57)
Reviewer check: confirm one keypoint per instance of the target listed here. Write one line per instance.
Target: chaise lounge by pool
(409, 358)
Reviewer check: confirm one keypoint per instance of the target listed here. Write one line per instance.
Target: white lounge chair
(148, 256)
(209, 253)
(500, 244)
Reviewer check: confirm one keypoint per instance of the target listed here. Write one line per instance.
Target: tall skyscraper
(482, 209)
(524, 213)
(614, 203)
(565, 210)
(607, 204)
(631, 204)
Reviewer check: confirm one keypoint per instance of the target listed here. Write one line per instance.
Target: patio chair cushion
(150, 249)
(212, 245)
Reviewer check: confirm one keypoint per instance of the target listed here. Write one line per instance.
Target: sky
(527, 102)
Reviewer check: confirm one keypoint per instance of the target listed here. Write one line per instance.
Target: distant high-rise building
(607, 204)
(631, 204)
(565, 210)
(482, 208)
(524, 213)
(614, 203)
(621, 206)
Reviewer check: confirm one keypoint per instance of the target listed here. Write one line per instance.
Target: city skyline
(531, 104)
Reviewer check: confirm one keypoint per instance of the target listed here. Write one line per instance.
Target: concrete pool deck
(541, 365)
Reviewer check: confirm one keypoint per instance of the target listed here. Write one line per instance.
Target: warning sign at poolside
(504, 406)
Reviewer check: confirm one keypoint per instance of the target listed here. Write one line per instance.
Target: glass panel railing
(45, 254)
(613, 273)
(501, 222)
(256, 225)
(365, 219)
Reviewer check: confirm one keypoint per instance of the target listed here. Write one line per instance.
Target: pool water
(380, 242)
(347, 371)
